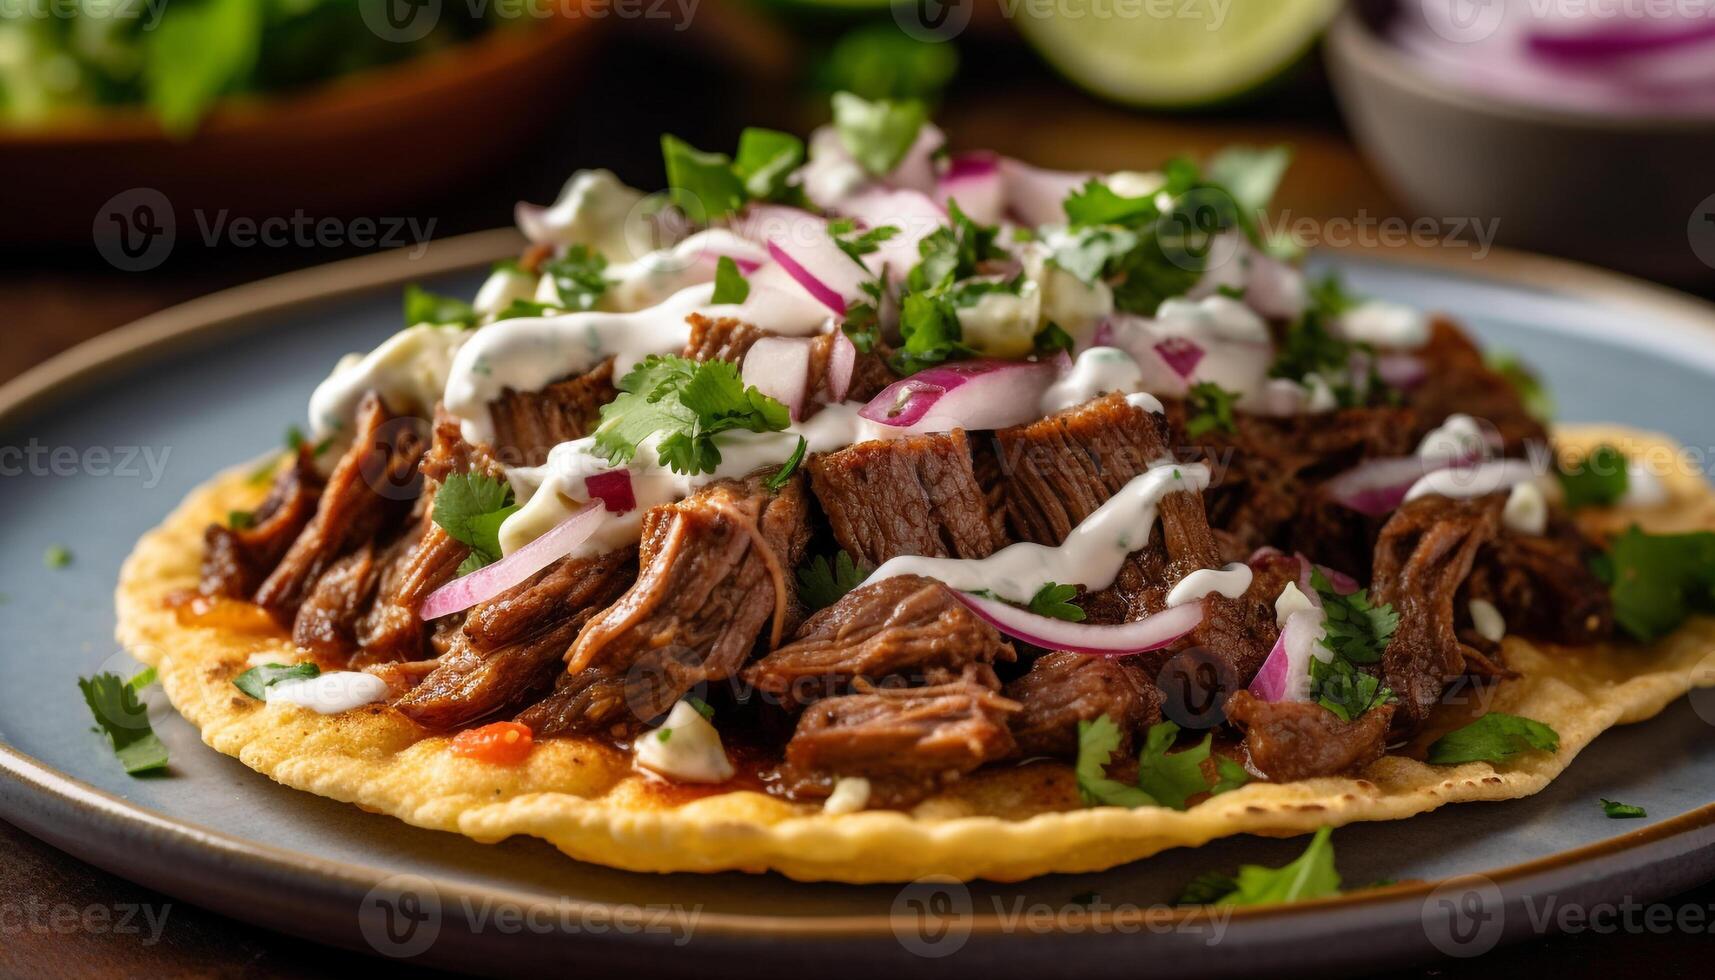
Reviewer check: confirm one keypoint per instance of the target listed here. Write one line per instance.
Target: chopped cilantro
(257, 680)
(823, 582)
(730, 285)
(470, 507)
(1356, 632)
(1089, 253)
(1656, 580)
(702, 184)
(1230, 292)
(422, 306)
(1054, 600)
(703, 707)
(1538, 400)
(1053, 339)
(1495, 737)
(143, 678)
(524, 309)
(877, 133)
(1597, 480)
(1095, 203)
(765, 159)
(1250, 174)
(1312, 875)
(881, 62)
(1211, 408)
(928, 314)
(579, 277)
(296, 442)
(1622, 811)
(239, 520)
(687, 403)
(664, 735)
(789, 467)
(57, 556)
(953, 251)
(122, 718)
(1163, 778)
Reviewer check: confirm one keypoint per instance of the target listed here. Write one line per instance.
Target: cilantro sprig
(120, 716)
(1055, 601)
(730, 285)
(1168, 779)
(1312, 875)
(942, 283)
(1211, 409)
(878, 132)
(1495, 737)
(422, 306)
(686, 403)
(470, 507)
(257, 680)
(1356, 632)
(1657, 580)
(823, 581)
(1622, 811)
(580, 278)
(1597, 480)
(708, 186)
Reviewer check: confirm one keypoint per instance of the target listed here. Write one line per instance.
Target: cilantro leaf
(880, 62)
(1251, 175)
(122, 718)
(877, 133)
(143, 678)
(1052, 339)
(56, 556)
(764, 160)
(953, 251)
(1597, 480)
(1355, 632)
(1495, 737)
(524, 309)
(470, 507)
(1089, 253)
(823, 582)
(1172, 778)
(1211, 408)
(789, 467)
(730, 285)
(703, 707)
(1098, 740)
(1312, 875)
(1095, 203)
(1054, 600)
(857, 244)
(687, 404)
(1656, 580)
(422, 306)
(1207, 888)
(1622, 811)
(579, 277)
(257, 680)
(201, 52)
(702, 184)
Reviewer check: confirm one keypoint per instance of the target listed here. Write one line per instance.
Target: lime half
(1171, 53)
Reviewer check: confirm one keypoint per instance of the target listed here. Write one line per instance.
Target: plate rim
(163, 333)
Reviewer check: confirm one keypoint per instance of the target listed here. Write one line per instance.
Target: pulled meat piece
(1457, 380)
(906, 742)
(371, 489)
(912, 496)
(1424, 555)
(1062, 689)
(326, 623)
(236, 560)
(903, 628)
(529, 423)
(1543, 586)
(514, 644)
(593, 701)
(713, 577)
(725, 339)
(1290, 740)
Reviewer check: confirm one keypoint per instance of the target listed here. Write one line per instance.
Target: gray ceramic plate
(102, 442)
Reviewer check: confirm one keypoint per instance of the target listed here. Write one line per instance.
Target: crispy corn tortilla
(1005, 824)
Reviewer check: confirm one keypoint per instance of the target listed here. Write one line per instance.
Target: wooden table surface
(57, 914)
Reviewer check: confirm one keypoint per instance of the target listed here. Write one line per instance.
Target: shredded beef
(907, 742)
(1457, 380)
(593, 701)
(712, 579)
(1290, 740)
(911, 496)
(326, 623)
(236, 560)
(906, 628)
(725, 339)
(1424, 555)
(1543, 586)
(728, 339)
(369, 492)
(529, 423)
(514, 644)
(1062, 689)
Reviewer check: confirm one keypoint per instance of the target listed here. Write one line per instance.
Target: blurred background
(156, 150)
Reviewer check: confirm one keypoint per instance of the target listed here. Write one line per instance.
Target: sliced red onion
(964, 395)
(1401, 370)
(841, 362)
(1616, 41)
(613, 489)
(1343, 584)
(1377, 486)
(1460, 481)
(831, 296)
(1139, 636)
(1181, 354)
(1035, 196)
(1285, 675)
(974, 181)
(491, 580)
(779, 367)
